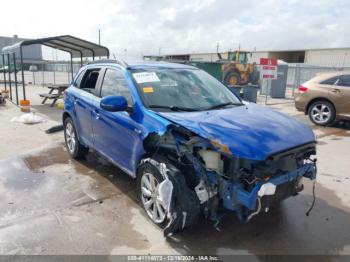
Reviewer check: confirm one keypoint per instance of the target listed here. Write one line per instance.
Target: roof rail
(111, 61)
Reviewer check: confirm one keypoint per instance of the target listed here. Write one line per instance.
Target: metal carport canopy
(76, 47)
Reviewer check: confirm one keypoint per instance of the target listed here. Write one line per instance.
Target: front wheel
(74, 147)
(322, 113)
(149, 181)
(172, 210)
(232, 78)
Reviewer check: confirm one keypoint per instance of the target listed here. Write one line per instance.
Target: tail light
(303, 89)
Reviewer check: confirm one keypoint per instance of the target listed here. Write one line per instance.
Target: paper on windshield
(148, 90)
(146, 77)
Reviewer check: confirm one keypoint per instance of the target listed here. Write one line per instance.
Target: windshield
(243, 58)
(182, 90)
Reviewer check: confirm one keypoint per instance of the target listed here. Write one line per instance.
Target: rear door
(83, 97)
(116, 134)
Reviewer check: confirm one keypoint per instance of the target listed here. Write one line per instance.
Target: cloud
(135, 28)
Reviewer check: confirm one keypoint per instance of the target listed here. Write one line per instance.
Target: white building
(337, 57)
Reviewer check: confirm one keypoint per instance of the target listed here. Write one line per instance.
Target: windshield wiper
(224, 104)
(174, 108)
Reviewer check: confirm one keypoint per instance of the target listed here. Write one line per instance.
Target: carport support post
(15, 70)
(9, 70)
(54, 73)
(3, 65)
(43, 75)
(71, 65)
(22, 69)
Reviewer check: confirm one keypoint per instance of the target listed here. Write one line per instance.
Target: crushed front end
(256, 186)
(222, 180)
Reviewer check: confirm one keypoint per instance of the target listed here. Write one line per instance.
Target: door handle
(138, 131)
(97, 114)
(335, 90)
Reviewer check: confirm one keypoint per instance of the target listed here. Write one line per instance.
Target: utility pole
(99, 38)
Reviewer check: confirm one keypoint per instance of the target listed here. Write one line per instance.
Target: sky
(133, 28)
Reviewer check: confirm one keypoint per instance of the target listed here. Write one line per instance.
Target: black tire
(326, 115)
(184, 200)
(229, 75)
(79, 150)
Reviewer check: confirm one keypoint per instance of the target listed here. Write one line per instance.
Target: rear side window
(114, 84)
(344, 80)
(78, 79)
(330, 81)
(88, 83)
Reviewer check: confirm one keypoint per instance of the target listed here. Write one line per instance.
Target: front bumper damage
(234, 196)
(207, 178)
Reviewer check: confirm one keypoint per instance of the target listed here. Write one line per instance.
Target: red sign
(268, 68)
(268, 61)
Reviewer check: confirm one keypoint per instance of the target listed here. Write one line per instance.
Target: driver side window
(114, 83)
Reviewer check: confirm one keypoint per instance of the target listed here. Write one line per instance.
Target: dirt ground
(51, 204)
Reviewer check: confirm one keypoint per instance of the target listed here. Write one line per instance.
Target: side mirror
(114, 103)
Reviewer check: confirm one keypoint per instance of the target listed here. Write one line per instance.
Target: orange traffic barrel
(24, 105)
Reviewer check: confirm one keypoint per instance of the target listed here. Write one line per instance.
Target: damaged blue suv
(194, 147)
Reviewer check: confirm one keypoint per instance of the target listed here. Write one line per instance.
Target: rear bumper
(236, 197)
(300, 102)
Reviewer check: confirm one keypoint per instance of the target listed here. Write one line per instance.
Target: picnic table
(56, 92)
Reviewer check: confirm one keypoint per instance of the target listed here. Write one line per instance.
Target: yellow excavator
(236, 70)
(232, 68)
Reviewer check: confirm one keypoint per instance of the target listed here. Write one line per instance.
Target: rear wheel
(74, 147)
(322, 113)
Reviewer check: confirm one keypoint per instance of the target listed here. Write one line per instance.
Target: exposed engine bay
(220, 180)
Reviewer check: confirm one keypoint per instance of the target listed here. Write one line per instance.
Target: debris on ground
(28, 118)
(54, 129)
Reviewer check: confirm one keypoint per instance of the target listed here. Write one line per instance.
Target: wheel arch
(65, 116)
(316, 100)
(69, 115)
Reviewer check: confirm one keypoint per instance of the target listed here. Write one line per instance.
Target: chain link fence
(44, 73)
(301, 73)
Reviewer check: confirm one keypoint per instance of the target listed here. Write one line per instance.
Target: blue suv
(194, 147)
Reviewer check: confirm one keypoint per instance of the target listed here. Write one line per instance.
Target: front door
(116, 134)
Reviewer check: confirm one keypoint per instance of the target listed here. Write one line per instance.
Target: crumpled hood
(251, 132)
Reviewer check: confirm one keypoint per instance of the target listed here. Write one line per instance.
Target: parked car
(325, 98)
(190, 143)
(5, 69)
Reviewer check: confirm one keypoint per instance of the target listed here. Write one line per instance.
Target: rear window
(330, 81)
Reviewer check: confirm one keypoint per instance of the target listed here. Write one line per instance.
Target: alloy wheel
(150, 198)
(70, 137)
(320, 113)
